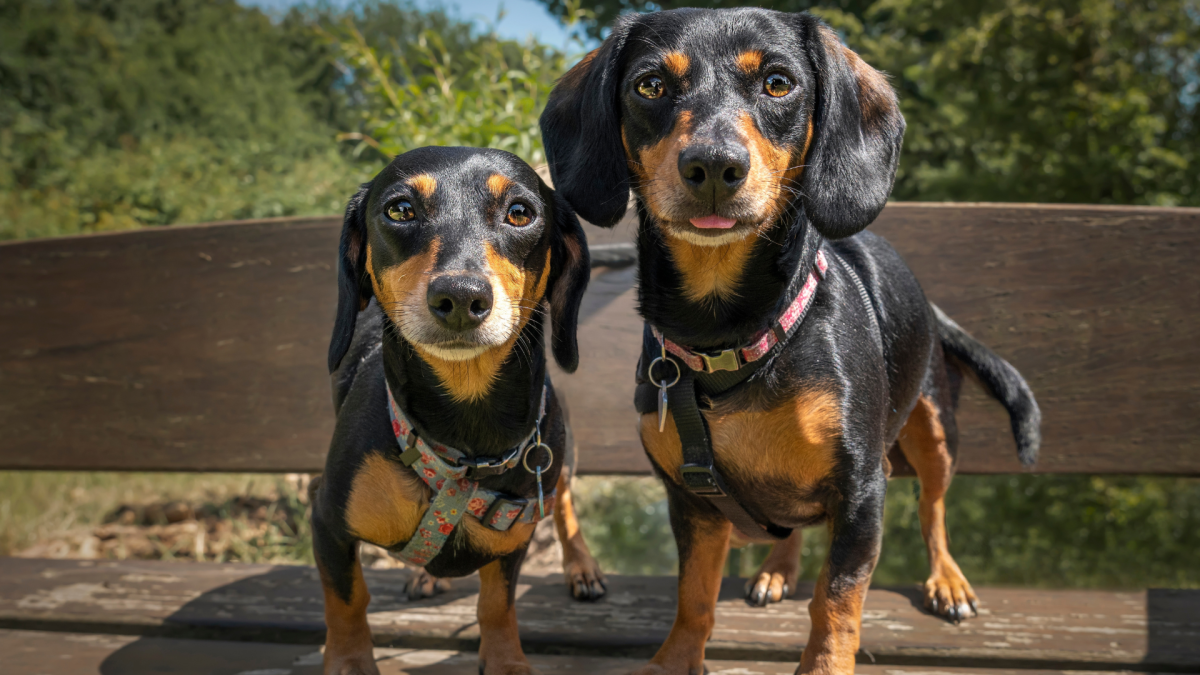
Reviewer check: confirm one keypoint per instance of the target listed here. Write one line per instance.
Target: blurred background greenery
(117, 114)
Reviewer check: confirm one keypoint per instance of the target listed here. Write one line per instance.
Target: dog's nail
(934, 605)
(975, 607)
(785, 591)
(963, 610)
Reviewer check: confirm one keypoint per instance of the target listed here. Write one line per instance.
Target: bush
(180, 180)
(427, 92)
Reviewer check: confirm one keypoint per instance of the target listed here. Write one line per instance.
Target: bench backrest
(202, 348)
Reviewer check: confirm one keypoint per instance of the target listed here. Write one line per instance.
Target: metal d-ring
(549, 455)
(659, 359)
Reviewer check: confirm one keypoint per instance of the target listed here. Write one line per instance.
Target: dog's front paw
(585, 580)
(949, 595)
(422, 584)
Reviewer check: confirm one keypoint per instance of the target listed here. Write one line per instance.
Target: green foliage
(179, 180)
(116, 115)
(1085, 101)
(449, 90)
(80, 74)
(1055, 531)
(148, 112)
(625, 523)
(1041, 531)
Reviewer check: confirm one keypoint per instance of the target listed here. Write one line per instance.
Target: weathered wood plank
(201, 348)
(1017, 628)
(44, 653)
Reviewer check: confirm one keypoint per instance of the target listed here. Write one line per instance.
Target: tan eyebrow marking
(750, 61)
(423, 184)
(498, 185)
(677, 63)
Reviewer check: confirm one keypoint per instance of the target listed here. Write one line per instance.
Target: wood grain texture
(1017, 628)
(201, 348)
(44, 653)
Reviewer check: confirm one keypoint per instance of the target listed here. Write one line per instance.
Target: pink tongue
(714, 222)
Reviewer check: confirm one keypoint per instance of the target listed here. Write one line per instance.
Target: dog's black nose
(459, 302)
(714, 171)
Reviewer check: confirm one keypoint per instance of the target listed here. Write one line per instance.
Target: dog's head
(460, 247)
(721, 120)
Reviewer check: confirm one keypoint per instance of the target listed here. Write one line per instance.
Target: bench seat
(74, 653)
(1017, 628)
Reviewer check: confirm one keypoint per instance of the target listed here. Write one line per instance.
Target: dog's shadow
(269, 624)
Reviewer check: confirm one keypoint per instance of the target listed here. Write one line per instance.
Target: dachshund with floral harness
(450, 443)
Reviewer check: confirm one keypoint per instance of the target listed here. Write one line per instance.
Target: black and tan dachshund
(758, 148)
(445, 412)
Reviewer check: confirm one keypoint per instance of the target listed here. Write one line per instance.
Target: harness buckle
(481, 467)
(729, 359)
(701, 480)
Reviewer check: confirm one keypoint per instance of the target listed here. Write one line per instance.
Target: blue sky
(522, 17)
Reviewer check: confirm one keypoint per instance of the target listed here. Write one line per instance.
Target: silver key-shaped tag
(662, 405)
(541, 504)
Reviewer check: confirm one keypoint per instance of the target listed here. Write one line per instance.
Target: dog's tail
(1000, 380)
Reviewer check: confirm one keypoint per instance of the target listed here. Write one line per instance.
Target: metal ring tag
(549, 455)
(658, 359)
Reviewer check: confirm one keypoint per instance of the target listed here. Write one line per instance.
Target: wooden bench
(201, 348)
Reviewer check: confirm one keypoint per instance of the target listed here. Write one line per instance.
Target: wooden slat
(44, 653)
(1017, 628)
(201, 348)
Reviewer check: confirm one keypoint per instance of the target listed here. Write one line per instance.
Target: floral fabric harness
(454, 479)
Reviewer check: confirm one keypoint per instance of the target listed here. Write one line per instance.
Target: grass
(1041, 531)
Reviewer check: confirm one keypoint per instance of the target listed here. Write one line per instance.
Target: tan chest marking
(386, 502)
(481, 538)
(710, 270)
(795, 441)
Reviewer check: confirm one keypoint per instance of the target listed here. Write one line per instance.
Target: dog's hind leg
(929, 442)
(776, 578)
(585, 581)
(499, 638)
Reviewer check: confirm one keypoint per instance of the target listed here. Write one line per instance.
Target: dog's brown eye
(650, 86)
(777, 85)
(519, 215)
(401, 212)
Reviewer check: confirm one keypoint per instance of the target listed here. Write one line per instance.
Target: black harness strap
(699, 471)
(876, 333)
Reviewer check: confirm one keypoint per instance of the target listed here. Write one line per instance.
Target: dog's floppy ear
(570, 270)
(352, 261)
(581, 130)
(857, 129)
